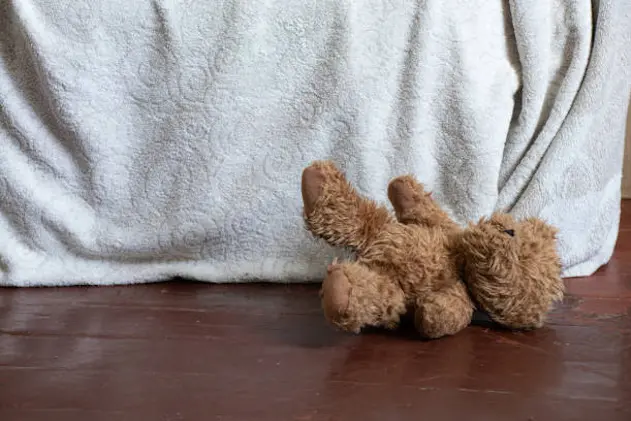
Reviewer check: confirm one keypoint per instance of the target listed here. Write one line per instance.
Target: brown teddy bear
(419, 260)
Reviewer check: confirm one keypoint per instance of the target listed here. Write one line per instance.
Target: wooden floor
(186, 351)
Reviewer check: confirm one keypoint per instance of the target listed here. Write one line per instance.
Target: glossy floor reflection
(186, 351)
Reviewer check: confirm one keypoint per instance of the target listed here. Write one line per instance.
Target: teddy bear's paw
(335, 212)
(318, 178)
(313, 179)
(404, 192)
(335, 294)
(354, 296)
(414, 205)
(443, 313)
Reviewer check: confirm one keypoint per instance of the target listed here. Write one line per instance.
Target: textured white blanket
(145, 139)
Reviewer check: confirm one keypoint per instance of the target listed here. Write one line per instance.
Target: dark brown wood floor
(190, 351)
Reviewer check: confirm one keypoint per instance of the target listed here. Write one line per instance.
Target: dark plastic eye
(510, 232)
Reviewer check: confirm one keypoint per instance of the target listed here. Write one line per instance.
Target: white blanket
(141, 140)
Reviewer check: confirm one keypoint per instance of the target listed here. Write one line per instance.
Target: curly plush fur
(419, 260)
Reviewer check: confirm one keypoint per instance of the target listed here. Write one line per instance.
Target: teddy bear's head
(512, 269)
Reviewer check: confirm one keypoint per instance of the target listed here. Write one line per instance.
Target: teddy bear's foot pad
(336, 291)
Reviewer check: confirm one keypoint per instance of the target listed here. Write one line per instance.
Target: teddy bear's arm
(413, 205)
(444, 312)
(334, 211)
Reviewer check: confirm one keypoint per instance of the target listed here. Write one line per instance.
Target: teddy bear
(417, 260)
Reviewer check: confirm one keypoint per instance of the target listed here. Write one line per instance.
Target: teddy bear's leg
(334, 211)
(444, 312)
(353, 296)
(413, 205)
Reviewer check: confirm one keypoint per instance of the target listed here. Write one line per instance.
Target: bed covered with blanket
(150, 139)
